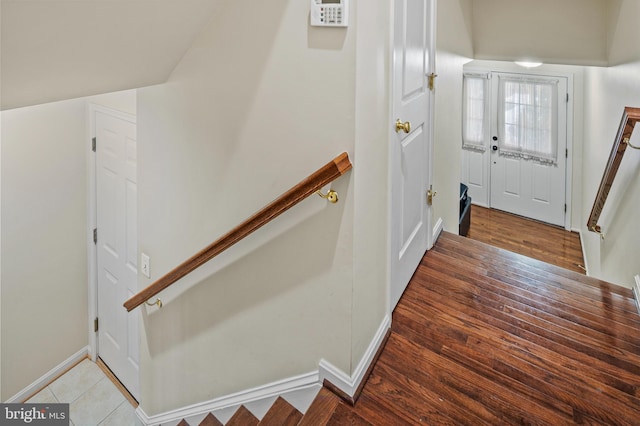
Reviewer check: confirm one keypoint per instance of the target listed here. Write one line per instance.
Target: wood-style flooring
(528, 237)
(483, 336)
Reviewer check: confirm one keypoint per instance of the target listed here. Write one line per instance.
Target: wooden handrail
(629, 119)
(323, 176)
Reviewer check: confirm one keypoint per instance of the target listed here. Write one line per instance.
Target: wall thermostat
(330, 13)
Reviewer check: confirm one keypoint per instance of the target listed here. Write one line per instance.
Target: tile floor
(94, 400)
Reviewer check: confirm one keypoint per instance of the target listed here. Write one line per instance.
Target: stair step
(243, 417)
(183, 422)
(281, 413)
(210, 420)
(321, 409)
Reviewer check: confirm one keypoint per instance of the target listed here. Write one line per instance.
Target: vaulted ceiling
(62, 49)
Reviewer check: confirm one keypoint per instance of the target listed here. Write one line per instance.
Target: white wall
(370, 235)
(454, 49)
(236, 125)
(124, 101)
(608, 91)
(44, 235)
(44, 270)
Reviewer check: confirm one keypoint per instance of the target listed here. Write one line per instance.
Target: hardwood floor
(528, 237)
(487, 337)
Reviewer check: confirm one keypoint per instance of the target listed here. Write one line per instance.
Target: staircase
(327, 408)
(483, 336)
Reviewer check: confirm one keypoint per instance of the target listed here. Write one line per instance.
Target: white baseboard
(437, 230)
(299, 391)
(49, 377)
(349, 384)
(636, 291)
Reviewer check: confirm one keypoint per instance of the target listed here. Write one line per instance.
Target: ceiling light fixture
(528, 64)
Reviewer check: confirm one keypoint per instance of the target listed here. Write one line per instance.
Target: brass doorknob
(406, 126)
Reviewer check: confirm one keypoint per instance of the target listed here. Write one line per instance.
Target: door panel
(409, 151)
(475, 173)
(476, 169)
(412, 186)
(116, 198)
(542, 190)
(524, 186)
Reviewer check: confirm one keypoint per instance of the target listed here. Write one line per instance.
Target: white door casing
(522, 187)
(410, 227)
(526, 187)
(116, 251)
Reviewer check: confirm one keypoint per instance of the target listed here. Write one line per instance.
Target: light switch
(144, 265)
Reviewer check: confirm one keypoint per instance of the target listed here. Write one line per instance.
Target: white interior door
(116, 211)
(410, 147)
(520, 185)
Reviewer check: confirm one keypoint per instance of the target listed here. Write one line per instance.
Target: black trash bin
(465, 211)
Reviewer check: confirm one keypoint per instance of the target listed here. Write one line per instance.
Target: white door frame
(568, 225)
(92, 220)
(433, 231)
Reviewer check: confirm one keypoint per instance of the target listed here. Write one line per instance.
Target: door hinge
(567, 98)
(432, 81)
(430, 194)
(95, 235)
(566, 153)
(95, 325)
(565, 208)
(93, 144)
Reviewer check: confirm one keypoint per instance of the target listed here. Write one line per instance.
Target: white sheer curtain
(527, 118)
(475, 116)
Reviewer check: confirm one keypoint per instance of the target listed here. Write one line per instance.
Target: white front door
(410, 143)
(117, 247)
(532, 111)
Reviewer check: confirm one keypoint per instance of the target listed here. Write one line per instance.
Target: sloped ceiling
(63, 49)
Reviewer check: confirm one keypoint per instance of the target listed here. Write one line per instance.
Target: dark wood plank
(344, 416)
(438, 397)
(468, 392)
(242, 417)
(500, 262)
(321, 409)
(397, 400)
(210, 420)
(323, 176)
(528, 237)
(591, 318)
(281, 413)
(483, 336)
(529, 342)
